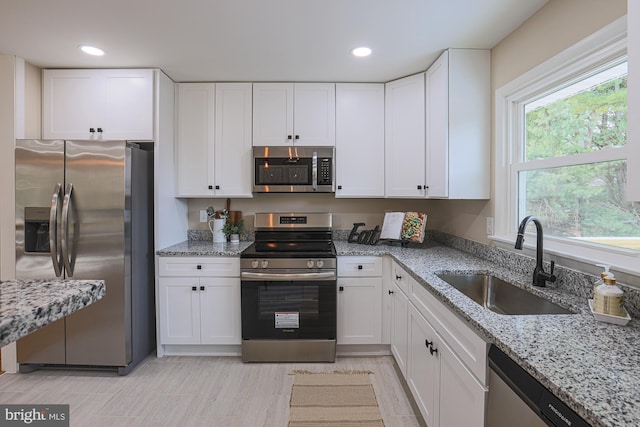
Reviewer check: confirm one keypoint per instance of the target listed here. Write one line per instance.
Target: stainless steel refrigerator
(84, 210)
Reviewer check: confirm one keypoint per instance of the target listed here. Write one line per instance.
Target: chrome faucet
(540, 277)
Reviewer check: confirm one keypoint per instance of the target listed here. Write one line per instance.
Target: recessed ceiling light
(361, 51)
(90, 50)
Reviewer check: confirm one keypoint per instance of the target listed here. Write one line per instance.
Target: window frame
(596, 52)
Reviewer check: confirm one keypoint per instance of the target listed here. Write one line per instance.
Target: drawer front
(465, 342)
(359, 266)
(401, 278)
(199, 266)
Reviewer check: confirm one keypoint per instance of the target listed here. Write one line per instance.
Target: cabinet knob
(194, 288)
(359, 267)
(92, 130)
(419, 187)
(339, 187)
(211, 187)
(100, 130)
(297, 137)
(217, 187)
(199, 267)
(341, 288)
(202, 288)
(390, 292)
(289, 137)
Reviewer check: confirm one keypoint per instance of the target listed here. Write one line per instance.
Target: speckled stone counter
(27, 305)
(204, 248)
(592, 366)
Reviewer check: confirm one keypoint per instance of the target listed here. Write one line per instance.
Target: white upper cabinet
(194, 153)
(458, 119)
(359, 140)
(405, 138)
(633, 99)
(232, 147)
(98, 104)
(288, 114)
(214, 140)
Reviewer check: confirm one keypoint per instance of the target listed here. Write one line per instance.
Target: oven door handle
(324, 275)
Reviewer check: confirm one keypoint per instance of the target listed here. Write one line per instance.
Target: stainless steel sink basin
(499, 296)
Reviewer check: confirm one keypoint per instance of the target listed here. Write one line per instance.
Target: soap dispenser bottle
(604, 274)
(607, 298)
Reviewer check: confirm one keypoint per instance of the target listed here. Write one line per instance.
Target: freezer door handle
(53, 231)
(69, 245)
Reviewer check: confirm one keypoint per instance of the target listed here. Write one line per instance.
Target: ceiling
(256, 40)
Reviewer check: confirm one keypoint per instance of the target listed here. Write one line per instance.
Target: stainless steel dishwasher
(518, 399)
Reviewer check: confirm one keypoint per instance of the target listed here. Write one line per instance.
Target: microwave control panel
(324, 171)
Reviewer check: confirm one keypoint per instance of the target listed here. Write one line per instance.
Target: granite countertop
(591, 366)
(204, 248)
(27, 305)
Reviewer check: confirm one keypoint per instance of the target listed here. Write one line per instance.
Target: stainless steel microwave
(293, 169)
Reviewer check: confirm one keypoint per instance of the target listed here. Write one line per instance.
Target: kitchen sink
(500, 296)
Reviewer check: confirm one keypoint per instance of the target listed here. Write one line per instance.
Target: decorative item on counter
(365, 237)
(233, 231)
(607, 301)
(404, 227)
(215, 223)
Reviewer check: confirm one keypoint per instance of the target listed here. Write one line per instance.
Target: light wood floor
(195, 391)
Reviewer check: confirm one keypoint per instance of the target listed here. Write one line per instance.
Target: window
(561, 153)
(571, 169)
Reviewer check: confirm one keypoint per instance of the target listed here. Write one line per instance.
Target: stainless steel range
(288, 281)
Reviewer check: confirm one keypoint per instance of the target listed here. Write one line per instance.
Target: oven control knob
(254, 263)
(319, 263)
(310, 263)
(265, 263)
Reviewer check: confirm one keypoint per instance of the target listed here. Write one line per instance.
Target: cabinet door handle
(217, 187)
(211, 187)
(398, 277)
(429, 345)
(199, 267)
(339, 187)
(341, 288)
(359, 267)
(202, 288)
(289, 137)
(390, 292)
(194, 288)
(100, 130)
(419, 187)
(297, 137)
(92, 130)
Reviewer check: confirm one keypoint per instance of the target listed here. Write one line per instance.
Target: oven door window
(289, 310)
(283, 171)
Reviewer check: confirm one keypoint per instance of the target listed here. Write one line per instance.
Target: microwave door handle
(53, 231)
(314, 171)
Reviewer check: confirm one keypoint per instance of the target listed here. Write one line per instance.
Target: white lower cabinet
(399, 331)
(423, 376)
(200, 308)
(447, 391)
(359, 304)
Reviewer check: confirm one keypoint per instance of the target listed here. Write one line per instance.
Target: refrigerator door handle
(68, 247)
(53, 230)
